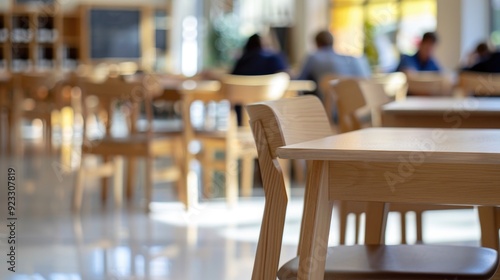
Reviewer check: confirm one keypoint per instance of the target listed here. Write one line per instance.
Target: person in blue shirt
(255, 60)
(326, 61)
(423, 60)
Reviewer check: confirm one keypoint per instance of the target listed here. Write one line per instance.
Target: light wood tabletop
(395, 165)
(389, 144)
(443, 112)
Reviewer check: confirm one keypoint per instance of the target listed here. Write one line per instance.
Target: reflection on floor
(210, 242)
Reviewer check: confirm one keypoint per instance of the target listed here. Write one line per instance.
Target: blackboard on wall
(115, 34)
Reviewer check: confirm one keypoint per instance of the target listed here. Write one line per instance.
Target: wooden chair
(352, 96)
(294, 120)
(34, 98)
(6, 108)
(429, 84)
(479, 84)
(395, 84)
(236, 142)
(106, 99)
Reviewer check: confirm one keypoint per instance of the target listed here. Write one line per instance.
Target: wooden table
(403, 165)
(442, 112)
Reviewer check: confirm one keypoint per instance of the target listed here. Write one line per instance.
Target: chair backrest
(112, 94)
(275, 124)
(329, 97)
(350, 100)
(375, 96)
(428, 83)
(395, 84)
(245, 90)
(482, 84)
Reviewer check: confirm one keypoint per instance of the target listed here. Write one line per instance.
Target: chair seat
(403, 262)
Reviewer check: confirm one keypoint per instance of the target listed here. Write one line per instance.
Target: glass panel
(381, 29)
(347, 26)
(495, 36)
(417, 17)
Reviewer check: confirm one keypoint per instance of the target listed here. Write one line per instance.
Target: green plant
(370, 49)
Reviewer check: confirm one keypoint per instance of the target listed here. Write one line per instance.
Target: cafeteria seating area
(249, 139)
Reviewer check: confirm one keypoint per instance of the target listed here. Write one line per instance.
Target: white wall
(461, 24)
(449, 13)
(475, 24)
(311, 16)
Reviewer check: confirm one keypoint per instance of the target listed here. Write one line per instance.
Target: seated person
(326, 61)
(255, 60)
(488, 65)
(423, 60)
(481, 53)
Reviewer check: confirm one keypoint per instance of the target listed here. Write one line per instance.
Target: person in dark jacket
(488, 65)
(256, 60)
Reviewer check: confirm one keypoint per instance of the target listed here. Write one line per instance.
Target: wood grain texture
(479, 84)
(433, 183)
(331, 179)
(443, 113)
(429, 83)
(273, 222)
(478, 146)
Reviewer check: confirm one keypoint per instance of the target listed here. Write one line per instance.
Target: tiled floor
(210, 242)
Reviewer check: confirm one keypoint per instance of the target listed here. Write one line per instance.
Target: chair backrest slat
(112, 91)
(349, 100)
(484, 84)
(275, 124)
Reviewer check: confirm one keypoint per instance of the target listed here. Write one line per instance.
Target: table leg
(489, 229)
(376, 219)
(316, 223)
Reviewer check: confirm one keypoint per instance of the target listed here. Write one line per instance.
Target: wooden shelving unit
(4, 37)
(71, 37)
(34, 36)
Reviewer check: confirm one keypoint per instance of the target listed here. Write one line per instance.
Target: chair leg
(104, 183)
(118, 181)
(207, 173)
(357, 221)
(489, 230)
(299, 170)
(285, 168)
(419, 228)
(78, 191)
(402, 218)
(131, 179)
(376, 220)
(342, 221)
(247, 172)
(148, 188)
(179, 159)
(231, 180)
(48, 134)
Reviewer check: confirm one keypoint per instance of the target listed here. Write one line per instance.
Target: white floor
(210, 242)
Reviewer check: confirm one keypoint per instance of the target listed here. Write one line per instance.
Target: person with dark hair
(423, 60)
(256, 60)
(481, 53)
(491, 64)
(326, 61)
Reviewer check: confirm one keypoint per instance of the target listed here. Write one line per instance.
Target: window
(495, 35)
(381, 29)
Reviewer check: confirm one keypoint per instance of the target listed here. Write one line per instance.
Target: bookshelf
(36, 35)
(33, 40)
